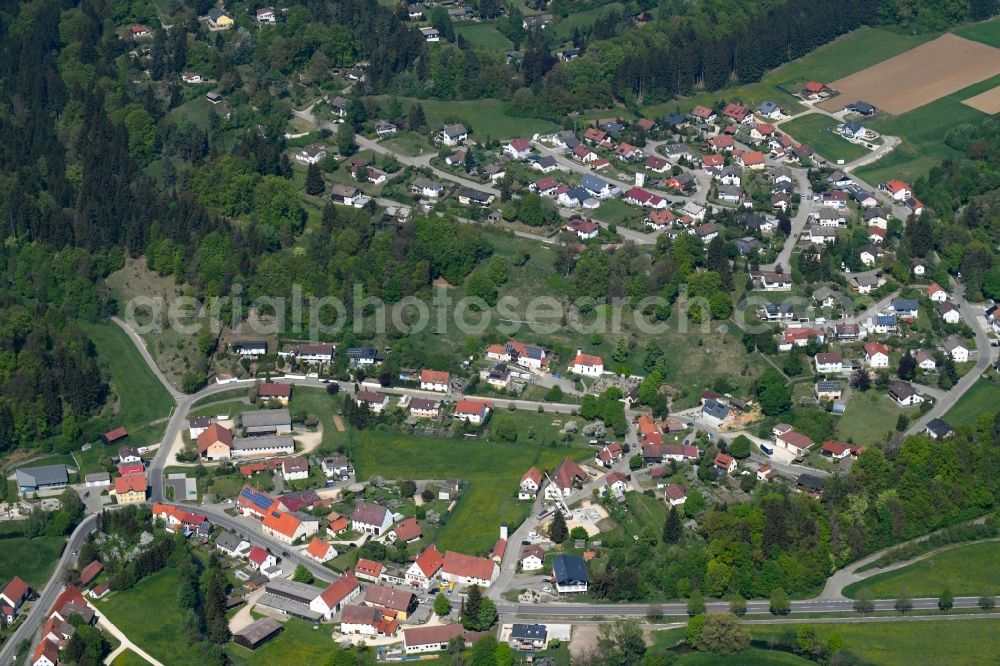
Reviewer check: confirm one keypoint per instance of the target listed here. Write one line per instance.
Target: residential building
(129, 489)
(370, 518)
(425, 408)
(904, 394)
(829, 362)
(785, 437)
(369, 570)
(532, 558)
(531, 482)
(714, 412)
(453, 135)
(390, 601)
(295, 469)
(565, 481)
(420, 640)
(376, 402)
(270, 391)
(528, 637)
(938, 429)
(311, 154)
(725, 464)
(876, 355)
(955, 347)
(464, 569)
(569, 574)
(468, 197)
(425, 568)
(472, 411)
(586, 365)
(675, 494)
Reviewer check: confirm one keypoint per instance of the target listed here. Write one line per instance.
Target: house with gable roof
(565, 481)
(427, 565)
(370, 518)
(531, 482)
(333, 599)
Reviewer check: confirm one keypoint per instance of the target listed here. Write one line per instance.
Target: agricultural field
(907, 643)
(819, 131)
(31, 559)
(483, 117)
(484, 36)
(869, 416)
(141, 396)
(968, 571)
(919, 76)
(981, 399)
(847, 54)
(491, 471)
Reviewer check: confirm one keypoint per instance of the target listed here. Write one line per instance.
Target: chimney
(503, 531)
(640, 178)
(579, 352)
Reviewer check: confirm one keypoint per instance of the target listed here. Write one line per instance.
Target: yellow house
(130, 489)
(221, 19)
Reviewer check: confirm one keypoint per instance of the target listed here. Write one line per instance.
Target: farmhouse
(425, 567)
(531, 482)
(565, 481)
(267, 422)
(464, 569)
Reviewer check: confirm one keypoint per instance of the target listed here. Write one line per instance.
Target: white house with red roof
(472, 411)
(724, 463)
(936, 293)
(899, 190)
(368, 570)
(675, 494)
(286, 527)
(838, 450)
(638, 196)
(532, 558)
(738, 113)
(425, 567)
(616, 482)
(261, 559)
(765, 473)
(703, 113)
(876, 355)
(12, 597)
(518, 148)
(586, 365)
(753, 159)
(336, 596)
(827, 362)
(609, 454)
(434, 380)
(464, 569)
(786, 438)
(46, 654)
(531, 482)
(584, 229)
(565, 481)
(321, 551)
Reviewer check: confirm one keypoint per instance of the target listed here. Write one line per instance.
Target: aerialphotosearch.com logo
(317, 318)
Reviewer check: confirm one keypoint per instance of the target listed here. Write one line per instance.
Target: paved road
(40, 607)
(420, 161)
(572, 610)
(804, 190)
(985, 356)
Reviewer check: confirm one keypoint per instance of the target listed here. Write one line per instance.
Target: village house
(786, 438)
(332, 600)
(347, 195)
(569, 574)
(608, 455)
(286, 527)
(828, 390)
(220, 20)
(370, 518)
(714, 412)
(954, 346)
(374, 401)
(466, 570)
(130, 489)
(470, 197)
(876, 355)
(584, 229)
(295, 469)
(703, 113)
(366, 621)
(528, 356)
(472, 411)
(425, 568)
(725, 464)
(311, 154)
(837, 450)
(936, 293)
(938, 429)
(829, 362)
(368, 570)
(453, 135)
(949, 312)
(897, 189)
(904, 394)
(390, 601)
(675, 494)
(926, 361)
(427, 188)
(425, 408)
(531, 482)
(566, 480)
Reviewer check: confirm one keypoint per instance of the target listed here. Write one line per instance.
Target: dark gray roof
(228, 541)
(939, 427)
(46, 475)
(265, 442)
(811, 481)
(528, 632)
(569, 569)
(905, 304)
(715, 409)
(265, 417)
(474, 195)
(259, 630)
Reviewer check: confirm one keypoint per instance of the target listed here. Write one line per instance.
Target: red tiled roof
(272, 390)
(815, 87)
(534, 474)
(499, 548)
(873, 348)
(368, 568)
(796, 440)
(434, 376)
(588, 360)
(16, 589)
(408, 529)
(471, 406)
(713, 160)
(90, 572)
(212, 434)
(614, 477)
(723, 461)
(115, 435)
(71, 595)
(430, 561)
(753, 157)
(567, 473)
(389, 597)
(257, 555)
(436, 635)
(48, 649)
(339, 590)
(281, 522)
(469, 566)
(132, 483)
(318, 548)
(836, 448)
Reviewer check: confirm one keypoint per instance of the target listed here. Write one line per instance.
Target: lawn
(752, 657)
(491, 471)
(968, 571)
(196, 111)
(298, 643)
(907, 643)
(484, 117)
(981, 399)
(987, 32)
(31, 559)
(155, 627)
(408, 143)
(585, 19)
(232, 394)
(231, 407)
(141, 396)
(484, 35)
(847, 54)
(129, 658)
(923, 132)
(869, 417)
(819, 131)
(648, 511)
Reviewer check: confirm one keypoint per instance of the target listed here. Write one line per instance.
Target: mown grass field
(491, 471)
(31, 559)
(819, 131)
(141, 396)
(907, 643)
(869, 417)
(484, 35)
(155, 627)
(981, 399)
(129, 658)
(752, 657)
(298, 643)
(987, 32)
(968, 571)
(484, 117)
